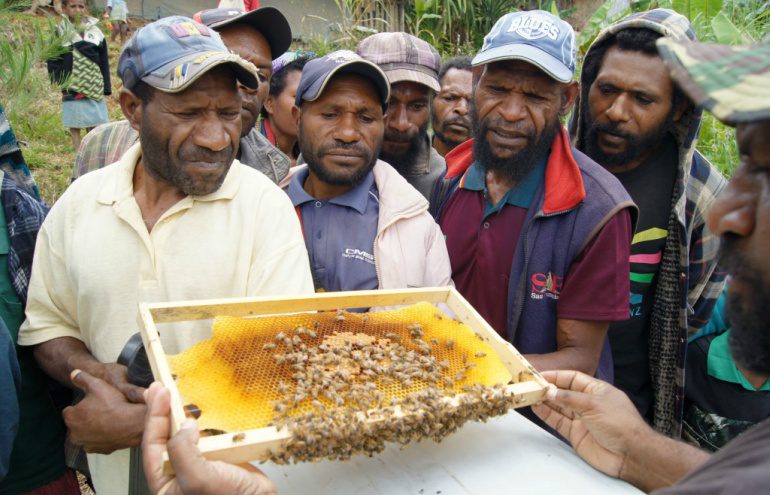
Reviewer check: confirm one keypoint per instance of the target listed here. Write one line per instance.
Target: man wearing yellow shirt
(177, 218)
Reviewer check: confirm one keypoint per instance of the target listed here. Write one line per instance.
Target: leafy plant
(692, 9)
(20, 53)
(357, 20)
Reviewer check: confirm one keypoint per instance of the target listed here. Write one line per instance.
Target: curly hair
(459, 63)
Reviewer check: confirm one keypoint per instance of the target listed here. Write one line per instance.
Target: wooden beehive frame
(238, 447)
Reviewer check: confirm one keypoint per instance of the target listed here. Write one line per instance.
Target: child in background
(117, 13)
(83, 71)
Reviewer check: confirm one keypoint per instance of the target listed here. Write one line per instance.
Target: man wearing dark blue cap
(257, 37)
(177, 218)
(537, 233)
(365, 226)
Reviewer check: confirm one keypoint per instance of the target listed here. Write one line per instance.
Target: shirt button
(318, 204)
(486, 225)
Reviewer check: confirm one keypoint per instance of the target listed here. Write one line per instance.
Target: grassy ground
(35, 114)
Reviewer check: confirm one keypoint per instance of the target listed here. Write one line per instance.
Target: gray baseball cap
(537, 37)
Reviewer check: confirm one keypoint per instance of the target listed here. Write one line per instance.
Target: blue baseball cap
(318, 72)
(537, 37)
(172, 53)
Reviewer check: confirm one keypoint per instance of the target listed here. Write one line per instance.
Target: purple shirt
(339, 234)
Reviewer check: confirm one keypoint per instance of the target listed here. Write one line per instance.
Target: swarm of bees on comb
(343, 383)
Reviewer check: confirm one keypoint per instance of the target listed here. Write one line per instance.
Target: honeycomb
(235, 378)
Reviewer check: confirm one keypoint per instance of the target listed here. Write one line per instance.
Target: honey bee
(239, 437)
(480, 355)
(268, 347)
(450, 344)
(192, 411)
(340, 316)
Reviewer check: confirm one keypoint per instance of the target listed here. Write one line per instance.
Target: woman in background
(83, 71)
(278, 125)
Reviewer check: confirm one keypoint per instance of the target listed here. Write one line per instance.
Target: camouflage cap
(732, 82)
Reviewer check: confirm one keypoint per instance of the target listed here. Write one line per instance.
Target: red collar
(269, 134)
(563, 180)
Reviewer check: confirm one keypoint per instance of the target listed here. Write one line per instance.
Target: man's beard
(158, 162)
(314, 163)
(403, 162)
(750, 335)
(517, 166)
(451, 143)
(635, 145)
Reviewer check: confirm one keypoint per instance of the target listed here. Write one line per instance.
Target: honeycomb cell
(241, 377)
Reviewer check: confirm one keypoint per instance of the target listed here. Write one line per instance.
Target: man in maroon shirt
(538, 234)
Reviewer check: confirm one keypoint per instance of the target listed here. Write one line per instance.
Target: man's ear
(132, 107)
(682, 106)
(295, 113)
(568, 96)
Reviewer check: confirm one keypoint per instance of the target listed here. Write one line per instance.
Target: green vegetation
(31, 102)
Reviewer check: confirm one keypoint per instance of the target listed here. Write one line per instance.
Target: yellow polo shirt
(95, 261)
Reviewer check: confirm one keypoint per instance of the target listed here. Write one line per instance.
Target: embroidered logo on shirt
(358, 254)
(546, 285)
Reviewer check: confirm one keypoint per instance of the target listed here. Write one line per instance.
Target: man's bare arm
(111, 414)
(59, 357)
(656, 461)
(579, 346)
(605, 429)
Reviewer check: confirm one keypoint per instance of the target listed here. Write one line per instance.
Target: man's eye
(366, 119)
(643, 100)
(606, 90)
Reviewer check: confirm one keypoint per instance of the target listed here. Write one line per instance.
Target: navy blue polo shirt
(339, 234)
(481, 239)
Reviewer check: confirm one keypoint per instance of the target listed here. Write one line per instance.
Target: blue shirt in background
(339, 234)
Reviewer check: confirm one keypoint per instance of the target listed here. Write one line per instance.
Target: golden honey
(235, 379)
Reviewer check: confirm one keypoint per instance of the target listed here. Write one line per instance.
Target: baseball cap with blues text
(170, 54)
(534, 36)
